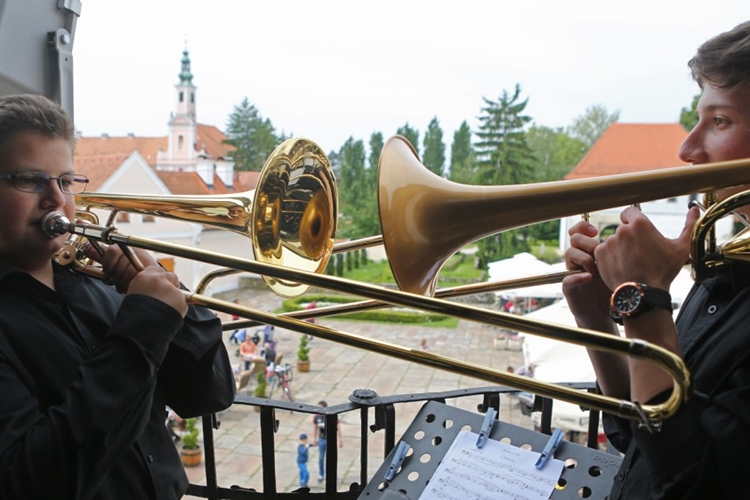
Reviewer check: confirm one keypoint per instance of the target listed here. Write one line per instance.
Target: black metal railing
(361, 401)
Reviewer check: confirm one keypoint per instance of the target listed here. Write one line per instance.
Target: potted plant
(260, 389)
(303, 355)
(191, 451)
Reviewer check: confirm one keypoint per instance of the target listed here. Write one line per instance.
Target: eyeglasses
(38, 182)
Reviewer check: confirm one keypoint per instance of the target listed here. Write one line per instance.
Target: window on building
(149, 219)
(192, 98)
(123, 218)
(180, 142)
(182, 96)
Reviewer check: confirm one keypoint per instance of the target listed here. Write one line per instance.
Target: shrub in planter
(303, 354)
(191, 451)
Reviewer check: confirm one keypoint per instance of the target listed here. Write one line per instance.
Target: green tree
(339, 265)
(411, 135)
(502, 154)
(462, 155)
(357, 193)
(376, 147)
(555, 152)
(434, 148)
(589, 126)
(352, 173)
(503, 157)
(252, 136)
(689, 116)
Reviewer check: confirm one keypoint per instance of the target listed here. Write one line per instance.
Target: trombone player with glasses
(701, 451)
(87, 369)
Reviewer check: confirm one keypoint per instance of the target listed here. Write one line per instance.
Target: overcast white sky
(327, 70)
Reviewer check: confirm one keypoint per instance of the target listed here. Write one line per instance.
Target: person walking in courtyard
(302, 455)
(319, 439)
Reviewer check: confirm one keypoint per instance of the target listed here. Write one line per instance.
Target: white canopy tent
(555, 361)
(525, 265)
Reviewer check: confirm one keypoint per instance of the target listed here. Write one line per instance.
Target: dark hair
(37, 114)
(724, 61)
(322, 403)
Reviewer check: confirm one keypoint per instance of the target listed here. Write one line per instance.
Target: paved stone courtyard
(336, 371)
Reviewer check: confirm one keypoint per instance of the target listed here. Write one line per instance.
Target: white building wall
(668, 216)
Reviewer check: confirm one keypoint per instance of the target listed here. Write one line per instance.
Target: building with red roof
(633, 148)
(192, 159)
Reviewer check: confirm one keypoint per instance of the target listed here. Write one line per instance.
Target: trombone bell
(290, 217)
(426, 219)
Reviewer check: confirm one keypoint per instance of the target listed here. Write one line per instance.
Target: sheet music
(495, 471)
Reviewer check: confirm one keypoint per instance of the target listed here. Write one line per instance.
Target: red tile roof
(146, 146)
(99, 157)
(632, 147)
(99, 167)
(213, 139)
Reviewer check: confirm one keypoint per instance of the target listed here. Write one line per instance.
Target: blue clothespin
(484, 432)
(549, 448)
(397, 460)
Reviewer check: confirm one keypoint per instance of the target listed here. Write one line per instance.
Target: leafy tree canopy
(689, 116)
(589, 126)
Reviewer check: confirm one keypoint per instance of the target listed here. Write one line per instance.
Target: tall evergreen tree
(411, 135)
(434, 148)
(376, 147)
(357, 193)
(462, 155)
(252, 136)
(503, 157)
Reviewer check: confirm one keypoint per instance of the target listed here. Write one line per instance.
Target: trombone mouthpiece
(54, 224)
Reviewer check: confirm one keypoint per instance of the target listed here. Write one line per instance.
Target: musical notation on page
(494, 471)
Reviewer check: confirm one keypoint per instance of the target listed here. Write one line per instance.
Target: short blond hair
(37, 114)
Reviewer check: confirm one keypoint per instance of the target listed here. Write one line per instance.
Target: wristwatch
(631, 299)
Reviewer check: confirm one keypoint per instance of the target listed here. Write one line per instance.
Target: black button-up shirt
(85, 376)
(701, 451)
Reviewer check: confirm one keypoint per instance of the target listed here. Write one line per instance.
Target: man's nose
(692, 150)
(54, 193)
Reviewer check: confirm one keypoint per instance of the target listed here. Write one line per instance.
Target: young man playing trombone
(701, 451)
(86, 372)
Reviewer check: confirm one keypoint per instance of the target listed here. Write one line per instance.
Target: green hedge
(385, 315)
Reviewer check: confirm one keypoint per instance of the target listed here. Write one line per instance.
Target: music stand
(588, 473)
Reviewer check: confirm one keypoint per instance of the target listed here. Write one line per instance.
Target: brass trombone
(414, 201)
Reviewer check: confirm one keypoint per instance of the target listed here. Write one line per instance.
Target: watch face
(627, 300)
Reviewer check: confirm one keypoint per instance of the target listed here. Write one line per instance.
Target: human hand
(117, 266)
(639, 252)
(162, 285)
(586, 294)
